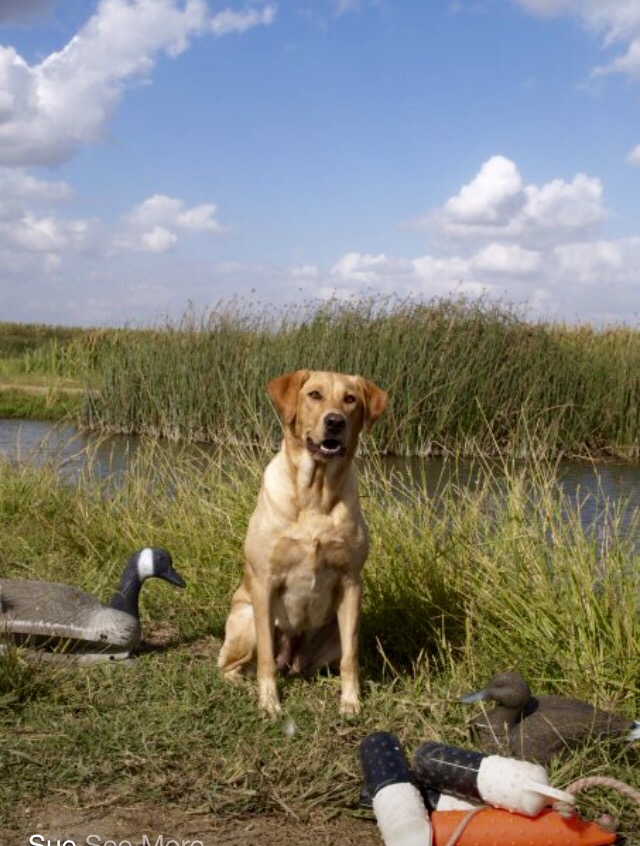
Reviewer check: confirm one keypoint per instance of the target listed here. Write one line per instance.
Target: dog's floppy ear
(284, 392)
(375, 402)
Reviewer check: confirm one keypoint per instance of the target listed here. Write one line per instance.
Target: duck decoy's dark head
(508, 689)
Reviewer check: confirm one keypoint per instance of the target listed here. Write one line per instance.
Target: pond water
(593, 485)
(37, 442)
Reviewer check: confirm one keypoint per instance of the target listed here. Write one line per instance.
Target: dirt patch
(148, 825)
(26, 388)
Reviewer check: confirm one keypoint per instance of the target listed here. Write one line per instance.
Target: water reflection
(40, 443)
(583, 482)
(596, 488)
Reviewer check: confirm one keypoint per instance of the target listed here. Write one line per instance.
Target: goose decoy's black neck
(147, 563)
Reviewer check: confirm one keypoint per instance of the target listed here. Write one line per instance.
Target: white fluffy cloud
(18, 186)
(49, 109)
(524, 243)
(27, 223)
(486, 240)
(580, 281)
(496, 204)
(33, 224)
(156, 224)
(617, 22)
(509, 259)
(229, 21)
(490, 198)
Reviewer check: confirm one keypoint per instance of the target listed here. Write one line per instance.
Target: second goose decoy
(538, 727)
(62, 622)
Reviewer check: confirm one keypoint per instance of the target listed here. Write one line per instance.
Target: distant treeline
(17, 339)
(463, 377)
(69, 351)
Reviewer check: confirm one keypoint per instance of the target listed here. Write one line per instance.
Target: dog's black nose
(334, 423)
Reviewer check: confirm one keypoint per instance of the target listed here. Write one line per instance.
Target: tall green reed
(463, 377)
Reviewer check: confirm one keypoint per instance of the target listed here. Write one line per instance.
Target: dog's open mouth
(328, 448)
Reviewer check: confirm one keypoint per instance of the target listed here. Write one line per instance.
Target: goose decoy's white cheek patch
(145, 564)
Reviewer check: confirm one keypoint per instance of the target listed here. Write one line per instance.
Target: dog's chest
(305, 600)
(315, 544)
(307, 564)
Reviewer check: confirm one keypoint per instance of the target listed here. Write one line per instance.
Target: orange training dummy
(494, 827)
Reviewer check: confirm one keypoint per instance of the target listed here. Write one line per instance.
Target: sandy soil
(147, 825)
(27, 388)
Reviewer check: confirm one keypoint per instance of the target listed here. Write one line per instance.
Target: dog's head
(326, 411)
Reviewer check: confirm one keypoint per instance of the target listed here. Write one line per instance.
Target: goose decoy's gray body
(62, 622)
(536, 728)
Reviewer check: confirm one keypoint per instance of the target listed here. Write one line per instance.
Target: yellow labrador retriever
(298, 605)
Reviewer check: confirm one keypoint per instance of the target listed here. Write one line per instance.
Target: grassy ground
(30, 400)
(479, 579)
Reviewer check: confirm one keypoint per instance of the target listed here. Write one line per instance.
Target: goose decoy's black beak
(477, 696)
(174, 577)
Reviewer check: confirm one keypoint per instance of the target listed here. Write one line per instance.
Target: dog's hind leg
(239, 648)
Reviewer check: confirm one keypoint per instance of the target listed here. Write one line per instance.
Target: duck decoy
(538, 727)
(62, 622)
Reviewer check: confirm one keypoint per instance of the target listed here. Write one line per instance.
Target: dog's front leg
(262, 596)
(349, 624)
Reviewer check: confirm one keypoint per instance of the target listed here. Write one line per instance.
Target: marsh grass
(498, 574)
(463, 377)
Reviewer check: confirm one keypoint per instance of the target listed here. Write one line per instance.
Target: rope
(464, 822)
(580, 784)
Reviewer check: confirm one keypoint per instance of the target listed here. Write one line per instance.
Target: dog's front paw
(271, 707)
(268, 698)
(350, 706)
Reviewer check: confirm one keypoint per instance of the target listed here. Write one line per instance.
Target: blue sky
(161, 153)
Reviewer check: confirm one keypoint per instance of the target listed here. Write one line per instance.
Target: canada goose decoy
(62, 622)
(538, 727)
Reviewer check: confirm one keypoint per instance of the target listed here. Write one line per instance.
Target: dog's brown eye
(349, 399)
(316, 395)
